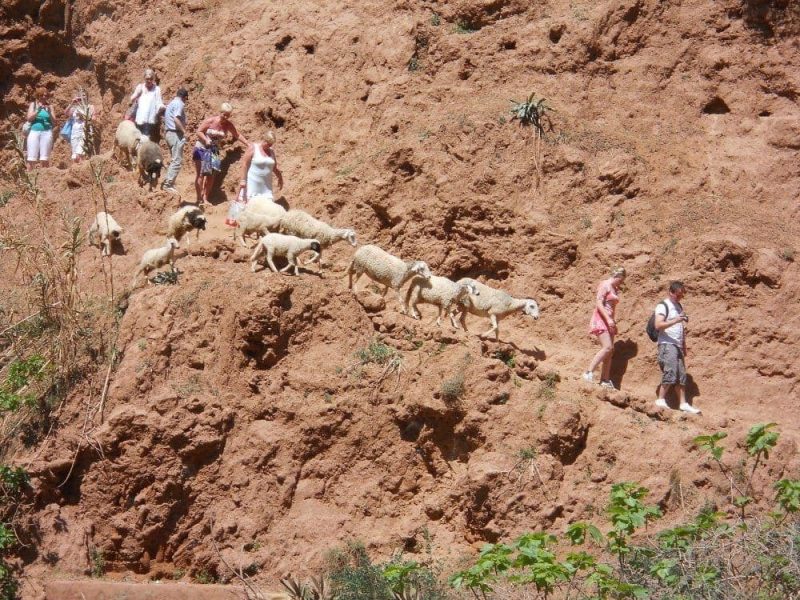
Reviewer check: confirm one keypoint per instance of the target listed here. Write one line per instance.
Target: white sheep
(303, 225)
(157, 257)
(441, 292)
(276, 244)
(126, 141)
(106, 229)
(259, 218)
(261, 203)
(149, 162)
(386, 269)
(495, 304)
(184, 220)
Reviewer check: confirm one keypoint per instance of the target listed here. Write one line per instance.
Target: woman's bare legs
(603, 356)
(198, 182)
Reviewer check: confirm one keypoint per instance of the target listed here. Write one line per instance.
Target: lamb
(157, 257)
(441, 292)
(107, 229)
(300, 223)
(276, 244)
(386, 269)
(260, 218)
(149, 163)
(126, 141)
(261, 203)
(495, 304)
(184, 220)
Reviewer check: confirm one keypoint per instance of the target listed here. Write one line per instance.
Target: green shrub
(377, 352)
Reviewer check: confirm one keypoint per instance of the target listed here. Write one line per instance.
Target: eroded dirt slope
(238, 397)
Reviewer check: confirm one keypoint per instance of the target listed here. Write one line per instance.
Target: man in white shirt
(175, 134)
(147, 97)
(671, 325)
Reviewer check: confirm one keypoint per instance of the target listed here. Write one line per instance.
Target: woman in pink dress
(604, 326)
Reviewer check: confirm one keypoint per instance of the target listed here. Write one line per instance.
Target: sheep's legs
(463, 320)
(353, 281)
(313, 259)
(495, 329)
(254, 257)
(291, 262)
(439, 317)
(269, 261)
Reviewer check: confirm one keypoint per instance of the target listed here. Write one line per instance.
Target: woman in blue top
(40, 137)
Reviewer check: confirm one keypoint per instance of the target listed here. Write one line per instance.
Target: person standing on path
(257, 168)
(147, 97)
(81, 113)
(40, 137)
(604, 327)
(175, 135)
(206, 158)
(671, 325)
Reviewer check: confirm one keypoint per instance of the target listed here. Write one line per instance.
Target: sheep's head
(154, 170)
(470, 289)
(116, 234)
(315, 246)
(420, 268)
(197, 220)
(350, 236)
(173, 243)
(531, 308)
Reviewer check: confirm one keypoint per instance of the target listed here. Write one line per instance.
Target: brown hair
(41, 91)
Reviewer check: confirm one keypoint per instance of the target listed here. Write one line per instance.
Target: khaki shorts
(670, 359)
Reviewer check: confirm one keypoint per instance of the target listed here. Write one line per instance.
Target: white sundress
(259, 175)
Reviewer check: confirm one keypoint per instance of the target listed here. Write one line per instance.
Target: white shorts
(39, 145)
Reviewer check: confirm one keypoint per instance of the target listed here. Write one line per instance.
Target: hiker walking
(670, 322)
(206, 157)
(175, 135)
(40, 135)
(604, 326)
(146, 104)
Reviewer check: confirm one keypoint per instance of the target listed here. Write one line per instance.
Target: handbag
(66, 130)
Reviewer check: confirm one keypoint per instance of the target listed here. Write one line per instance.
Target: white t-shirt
(674, 333)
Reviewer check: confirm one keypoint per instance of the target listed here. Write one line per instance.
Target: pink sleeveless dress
(609, 297)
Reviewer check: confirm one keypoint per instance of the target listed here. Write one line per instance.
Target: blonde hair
(269, 137)
(618, 272)
(226, 107)
(149, 73)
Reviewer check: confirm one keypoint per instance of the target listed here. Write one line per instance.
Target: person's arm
(663, 323)
(179, 125)
(31, 116)
(201, 131)
(159, 101)
(136, 93)
(248, 158)
(602, 291)
(236, 135)
(276, 170)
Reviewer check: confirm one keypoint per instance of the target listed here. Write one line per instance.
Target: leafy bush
(354, 576)
(377, 352)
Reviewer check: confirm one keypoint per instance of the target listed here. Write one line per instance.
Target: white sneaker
(588, 376)
(661, 403)
(608, 384)
(686, 407)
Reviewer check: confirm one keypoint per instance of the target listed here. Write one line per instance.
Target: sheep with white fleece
(126, 141)
(259, 219)
(303, 225)
(386, 269)
(495, 304)
(277, 244)
(441, 292)
(104, 232)
(157, 257)
(185, 220)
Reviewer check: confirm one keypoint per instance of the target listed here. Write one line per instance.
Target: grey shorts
(670, 359)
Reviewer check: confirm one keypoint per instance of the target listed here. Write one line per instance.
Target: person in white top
(671, 325)
(257, 168)
(82, 113)
(147, 98)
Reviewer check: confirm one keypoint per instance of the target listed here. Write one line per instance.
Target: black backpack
(651, 330)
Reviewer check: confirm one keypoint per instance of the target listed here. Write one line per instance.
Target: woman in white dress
(257, 168)
(81, 113)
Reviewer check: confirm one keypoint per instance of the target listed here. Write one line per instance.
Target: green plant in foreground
(97, 559)
(531, 112)
(377, 352)
(13, 479)
(453, 388)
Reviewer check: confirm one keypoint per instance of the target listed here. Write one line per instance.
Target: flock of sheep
(288, 233)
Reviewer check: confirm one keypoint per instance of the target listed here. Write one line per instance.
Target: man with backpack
(669, 324)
